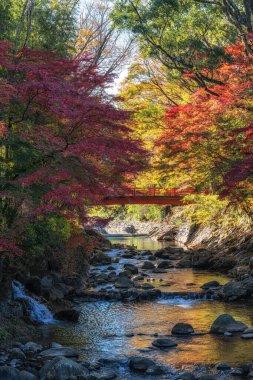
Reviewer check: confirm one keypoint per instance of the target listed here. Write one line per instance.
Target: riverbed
(120, 329)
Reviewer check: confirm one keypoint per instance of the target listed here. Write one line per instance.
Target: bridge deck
(142, 200)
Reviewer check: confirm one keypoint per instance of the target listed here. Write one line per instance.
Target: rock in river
(61, 351)
(147, 265)
(164, 343)
(62, 369)
(140, 363)
(210, 285)
(182, 329)
(124, 282)
(226, 323)
(70, 315)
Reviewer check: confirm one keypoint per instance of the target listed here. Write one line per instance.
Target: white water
(38, 312)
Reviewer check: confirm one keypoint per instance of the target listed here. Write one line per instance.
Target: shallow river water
(112, 329)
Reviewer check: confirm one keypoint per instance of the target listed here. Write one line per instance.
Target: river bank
(125, 320)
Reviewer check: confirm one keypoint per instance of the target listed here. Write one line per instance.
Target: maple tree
(63, 140)
(209, 140)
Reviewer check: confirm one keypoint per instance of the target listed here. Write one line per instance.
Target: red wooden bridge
(150, 195)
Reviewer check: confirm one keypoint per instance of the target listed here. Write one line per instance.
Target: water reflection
(141, 242)
(104, 326)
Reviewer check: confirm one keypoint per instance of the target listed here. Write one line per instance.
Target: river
(118, 329)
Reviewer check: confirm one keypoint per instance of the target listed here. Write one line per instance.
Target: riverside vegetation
(73, 305)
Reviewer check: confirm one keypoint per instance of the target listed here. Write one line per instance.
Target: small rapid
(37, 311)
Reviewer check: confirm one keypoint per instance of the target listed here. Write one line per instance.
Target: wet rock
(164, 343)
(62, 351)
(147, 286)
(31, 347)
(24, 375)
(150, 294)
(159, 270)
(62, 369)
(147, 265)
(140, 363)
(70, 315)
(156, 370)
(182, 329)
(247, 336)
(201, 259)
(210, 285)
(101, 258)
(233, 290)
(223, 367)
(131, 268)
(16, 353)
(125, 273)
(226, 323)
(124, 282)
(186, 376)
(164, 265)
(105, 375)
(8, 373)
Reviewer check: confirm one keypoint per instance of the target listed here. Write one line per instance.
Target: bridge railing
(158, 191)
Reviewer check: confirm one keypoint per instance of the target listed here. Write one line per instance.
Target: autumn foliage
(209, 140)
(63, 140)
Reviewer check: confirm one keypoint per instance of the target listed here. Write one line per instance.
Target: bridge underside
(142, 200)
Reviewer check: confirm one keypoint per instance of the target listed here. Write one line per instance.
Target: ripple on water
(104, 326)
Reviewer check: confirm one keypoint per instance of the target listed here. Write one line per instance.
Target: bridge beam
(142, 200)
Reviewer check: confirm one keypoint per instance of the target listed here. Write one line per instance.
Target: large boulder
(233, 290)
(62, 369)
(182, 329)
(226, 323)
(70, 315)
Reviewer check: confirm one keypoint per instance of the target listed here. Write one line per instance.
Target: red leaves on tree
(216, 131)
(81, 147)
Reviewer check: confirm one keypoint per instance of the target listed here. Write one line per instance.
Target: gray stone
(247, 336)
(105, 375)
(186, 376)
(24, 375)
(124, 282)
(223, 367)
(164, 343)
(8, 373)
(62, 369)
(140, 363)
(182, 329)
(226, 323)
(164, 265)
(16, 353)
(131, 268)
(62, 351)
(210, 285)
(148, 265)
(31, 347)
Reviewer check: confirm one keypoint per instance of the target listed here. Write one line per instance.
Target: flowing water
(116, 329)
(38, 312)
